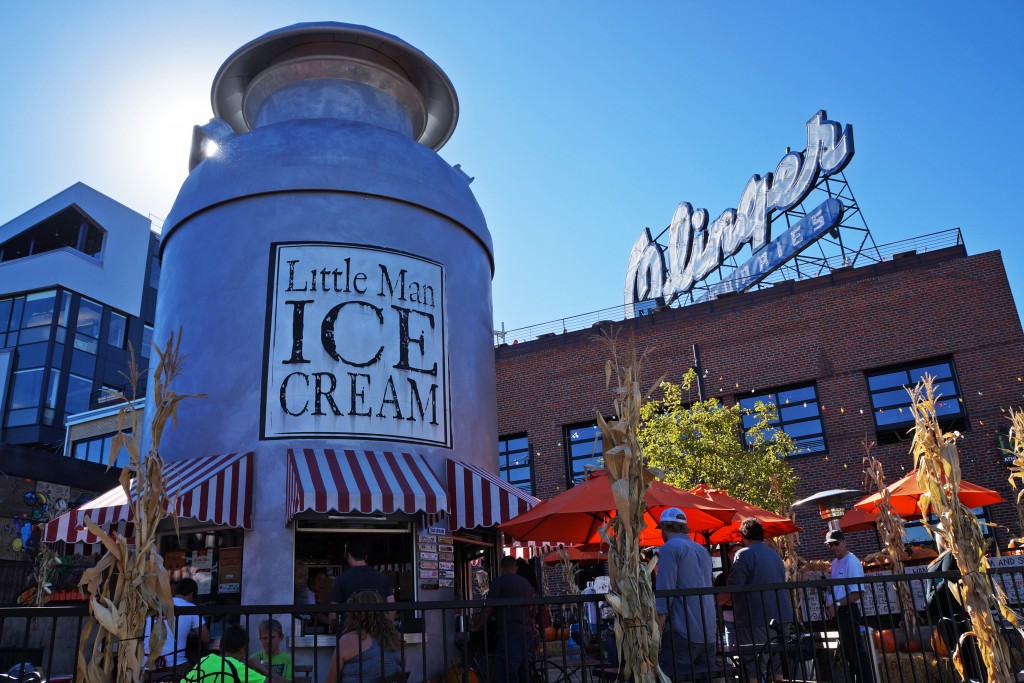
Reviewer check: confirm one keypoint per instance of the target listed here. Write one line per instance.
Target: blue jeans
(680, 658)
(510, 654)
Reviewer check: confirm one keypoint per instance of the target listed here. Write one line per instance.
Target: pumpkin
(913, 646)
(456, 674)
(550, 633)
(938, 644)
(563, 633)
(885, 640)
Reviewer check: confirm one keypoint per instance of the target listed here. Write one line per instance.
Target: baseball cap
(672, 515)
(834, 536)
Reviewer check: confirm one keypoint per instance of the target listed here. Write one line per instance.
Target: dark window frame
(781, 423)
(505, 467)
(572, 477)
(898, 431)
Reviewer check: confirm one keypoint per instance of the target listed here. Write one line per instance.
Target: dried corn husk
(938, 474)
(130, 583)
(637, 635)
(1017, 470)
(890, 529)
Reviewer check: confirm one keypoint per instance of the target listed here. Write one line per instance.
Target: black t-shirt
(361, 578)
(510, 586)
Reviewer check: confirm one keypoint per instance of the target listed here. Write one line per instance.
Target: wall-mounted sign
(697, 246)
(356, 345)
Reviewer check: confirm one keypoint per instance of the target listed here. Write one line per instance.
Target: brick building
(833, 352)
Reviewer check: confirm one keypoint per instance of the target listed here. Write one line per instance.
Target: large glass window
(87, 327)
(116, 330)
(79, 393)
(26, 395)
(147, 341)
(890, 401)
(799, 416)
(514, 461)
(39, 308)
(97, 449)
(582, 448)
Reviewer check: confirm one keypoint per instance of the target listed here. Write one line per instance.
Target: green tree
(703, 442)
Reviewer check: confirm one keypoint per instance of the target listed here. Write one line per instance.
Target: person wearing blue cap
(687, 623)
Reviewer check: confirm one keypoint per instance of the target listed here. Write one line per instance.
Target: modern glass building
(78, 277)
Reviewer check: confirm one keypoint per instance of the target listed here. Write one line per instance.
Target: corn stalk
(938, 475)
(1017, 470)
(637, 635)
(890, 528)
(129, 583)
(787, 546)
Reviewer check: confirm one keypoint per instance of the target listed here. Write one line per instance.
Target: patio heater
(831, 504)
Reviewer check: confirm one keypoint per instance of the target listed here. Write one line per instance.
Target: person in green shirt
(271, 661)
(226, 667)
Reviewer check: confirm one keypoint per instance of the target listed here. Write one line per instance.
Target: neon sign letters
(697, 247)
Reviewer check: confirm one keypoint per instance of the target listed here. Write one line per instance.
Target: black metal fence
(781, 632)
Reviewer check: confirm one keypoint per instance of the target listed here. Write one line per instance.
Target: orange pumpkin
(913, 646)
(885, 640)
(550, 633)
(563, 633)
(456, 674)
(938, 644)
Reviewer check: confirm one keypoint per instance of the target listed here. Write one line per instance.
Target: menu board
(435, 558)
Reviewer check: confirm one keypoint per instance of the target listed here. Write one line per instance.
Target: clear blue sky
(582, 122)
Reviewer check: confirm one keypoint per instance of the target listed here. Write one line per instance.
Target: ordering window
(890, 400)
(799, 416)
(582, 449)
(514, 461)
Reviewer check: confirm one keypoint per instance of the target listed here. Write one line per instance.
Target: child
(271, 661)
(228, 667)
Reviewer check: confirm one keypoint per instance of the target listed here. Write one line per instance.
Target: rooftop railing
(883, 252)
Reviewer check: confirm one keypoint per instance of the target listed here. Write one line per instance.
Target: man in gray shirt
(757, 564)
(687, 622)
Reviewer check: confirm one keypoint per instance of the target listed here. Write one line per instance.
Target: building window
(147, 341)
(582, 449)
(68, 229)
(79, 393)
(799, 416)
(890, 401)
(97, 449)
(26, 395)
(514, 461)
(87, 329)
(116, 330)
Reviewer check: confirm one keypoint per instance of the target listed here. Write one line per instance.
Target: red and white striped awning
(325, 480)
(215, 489)
(479, 498)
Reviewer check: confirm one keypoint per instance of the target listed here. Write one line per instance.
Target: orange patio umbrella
(576, 554)
(857, 519)
(774, 525)
(574, 516)
(904, 494)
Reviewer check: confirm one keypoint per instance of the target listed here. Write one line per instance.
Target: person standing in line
(841, 604)
(359, 577)
(173, 652)
(687, 623)
(757, 564)
(512, 623)
(310, 594)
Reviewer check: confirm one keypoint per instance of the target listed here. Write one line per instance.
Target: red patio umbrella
(575, 515)
(774, 525)
(857, 519)
(904, 494)
(576, 554)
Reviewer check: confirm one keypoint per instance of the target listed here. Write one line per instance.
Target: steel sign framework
(807, 205)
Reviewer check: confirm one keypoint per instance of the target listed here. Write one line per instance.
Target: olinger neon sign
(697, 248)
